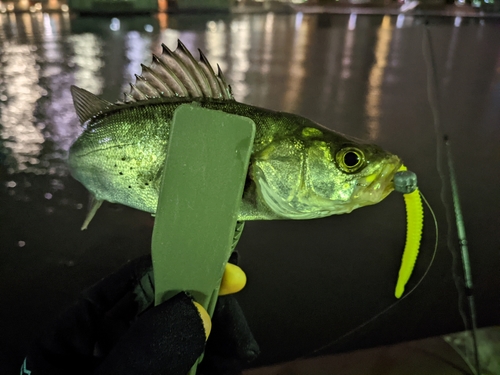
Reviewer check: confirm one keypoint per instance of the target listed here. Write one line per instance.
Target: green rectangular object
(200, 194)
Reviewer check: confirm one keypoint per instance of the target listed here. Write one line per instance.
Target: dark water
(309, 281)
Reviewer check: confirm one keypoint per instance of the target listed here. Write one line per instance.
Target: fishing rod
(432, 91)
(467, 288)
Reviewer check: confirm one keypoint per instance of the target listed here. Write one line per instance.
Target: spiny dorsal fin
(178, 74)
(87, 105)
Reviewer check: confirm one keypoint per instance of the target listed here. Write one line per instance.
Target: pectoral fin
(94, 205)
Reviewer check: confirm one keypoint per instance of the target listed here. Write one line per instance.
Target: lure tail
(414, 226)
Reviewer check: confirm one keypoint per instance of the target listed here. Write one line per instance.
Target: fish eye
(350, 159)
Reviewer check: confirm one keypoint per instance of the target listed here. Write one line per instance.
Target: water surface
(309, 281)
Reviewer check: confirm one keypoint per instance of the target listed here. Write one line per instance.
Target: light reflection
(240, 44)
(162, 20)
(88, 61)
(216, 40)
(451, 55)
(458, 21)
(23, 4)
(296, 70)
(400, 21)
(37, 117)
(189, 39)
(268, 44)
(298, 20)
(170, 37)
(65, 21)
(62, 126)
(263, 40)
(28, 26)
(395, 55)
(331, 64)
(48, 26)
(137, 49)
(345, 71)
(162, 6)
(20, 135)
(13, 24)
(347, 54)
(115, 24)
(352, 21)
(375, 80)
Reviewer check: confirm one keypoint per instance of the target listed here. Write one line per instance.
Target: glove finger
(167, 339)
(231, 345)
(106, 293)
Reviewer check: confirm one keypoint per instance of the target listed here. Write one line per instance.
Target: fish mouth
(376, 186)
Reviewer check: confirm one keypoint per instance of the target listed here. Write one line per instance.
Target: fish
(298, 168)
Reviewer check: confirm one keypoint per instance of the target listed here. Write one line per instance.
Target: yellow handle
(414, 225)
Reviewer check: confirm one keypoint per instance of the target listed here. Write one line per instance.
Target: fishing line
(464, 291)
(431, 94)
(373, 318)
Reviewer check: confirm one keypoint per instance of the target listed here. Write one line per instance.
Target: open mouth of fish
(374, 188)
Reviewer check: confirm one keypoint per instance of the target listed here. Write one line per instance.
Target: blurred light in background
(352, 21)
(240, 33)
(137, 49)
(88, 61)
(216, 43)
(376, 78)
(296, 69)
(400, 21)
(115, 24)
(20, 73)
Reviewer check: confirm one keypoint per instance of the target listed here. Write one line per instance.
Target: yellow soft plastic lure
(414, 225)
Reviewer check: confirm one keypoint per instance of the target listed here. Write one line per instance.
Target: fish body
(298, 169)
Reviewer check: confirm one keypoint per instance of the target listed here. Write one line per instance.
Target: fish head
(319, 173)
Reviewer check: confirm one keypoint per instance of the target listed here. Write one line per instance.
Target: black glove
(114, 329)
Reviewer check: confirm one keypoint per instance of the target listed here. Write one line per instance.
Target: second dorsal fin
(178, 74)
(87, 105)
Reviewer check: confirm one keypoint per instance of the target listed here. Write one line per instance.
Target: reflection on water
(216, 43)
(238, 55)
(270, 60)
(34, 81)
(88, 61)
(376, 77)
(296, 70)
(137, 46)
(361, 75)
(21, 135)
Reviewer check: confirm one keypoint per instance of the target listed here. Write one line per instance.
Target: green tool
(202, 186)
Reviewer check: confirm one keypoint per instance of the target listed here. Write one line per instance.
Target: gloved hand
(114, 329)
